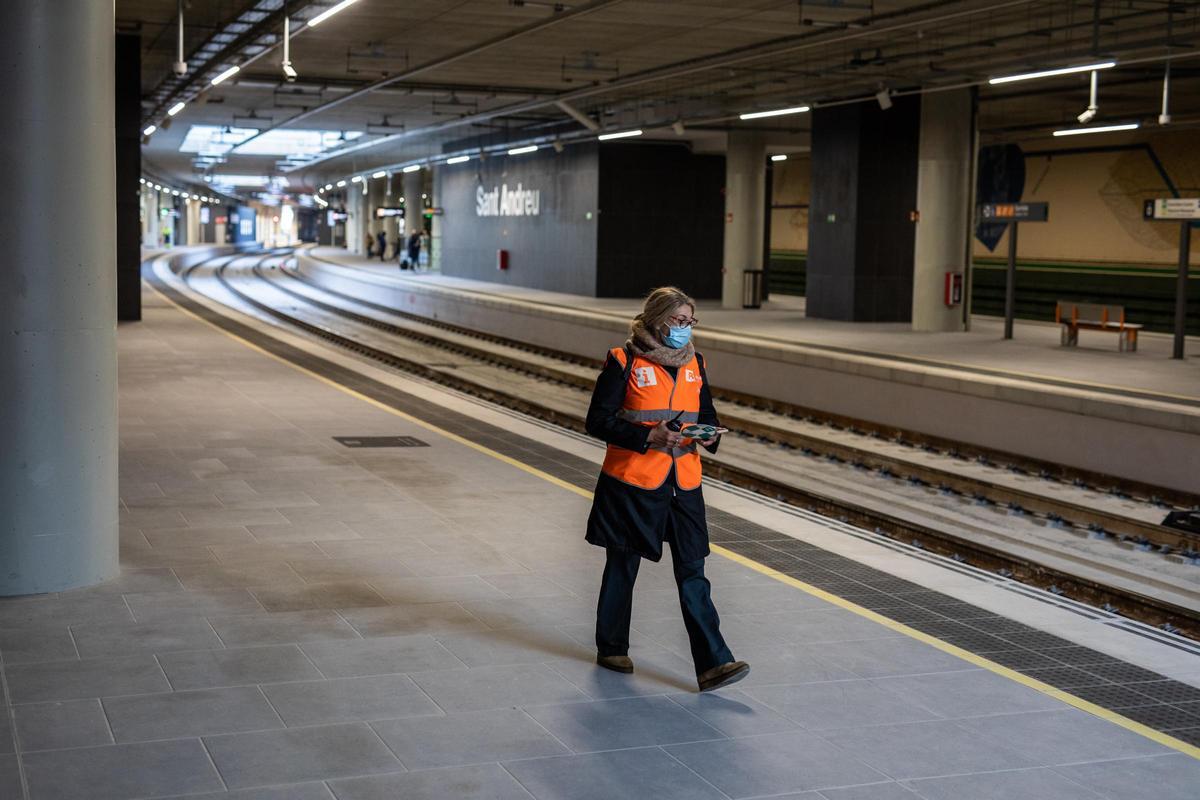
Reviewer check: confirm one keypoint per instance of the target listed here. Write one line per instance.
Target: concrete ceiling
(462, 74)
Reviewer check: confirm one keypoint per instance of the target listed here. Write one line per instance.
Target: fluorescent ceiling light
(618, 135)
(214, 140)
(175, 192)
(229, 73)
(1048, 73)
(356, 179)
(779, 112)
(329, 12)
(142, 181)
(295, 144)
(247, 180)
(516, 151)
(458, 159)
(175, 109)
(1098, 129)
(149, 129)
(780, 157)
(412, 168)
(328, 186)
(341, 183)
(380, 174)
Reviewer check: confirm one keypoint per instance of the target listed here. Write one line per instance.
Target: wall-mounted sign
(334, 217)
(502, 201)
(1172, 208)
(434, 211)
(1016, 212)
(222, 220)
(204, 215)
(383, 212)
(246, 227)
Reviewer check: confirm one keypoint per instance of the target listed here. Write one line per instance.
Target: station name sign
(1015, 212)
(502, 201)
(383, 212)
(1183, 208)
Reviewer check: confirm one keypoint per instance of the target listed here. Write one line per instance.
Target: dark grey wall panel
(129, 169)
(833, 212)
(661, 220)
(553, 250)
(864, 185)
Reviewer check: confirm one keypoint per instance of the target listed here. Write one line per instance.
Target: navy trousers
(695, 600)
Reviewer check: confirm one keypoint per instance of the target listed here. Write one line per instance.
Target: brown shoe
(722, 675)
(616, 663)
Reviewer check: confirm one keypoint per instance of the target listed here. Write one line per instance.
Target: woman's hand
(662, 436)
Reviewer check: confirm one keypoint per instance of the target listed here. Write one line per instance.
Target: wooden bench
(1095, 317)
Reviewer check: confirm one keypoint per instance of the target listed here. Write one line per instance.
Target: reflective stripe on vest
(651, 397)
(658, 415)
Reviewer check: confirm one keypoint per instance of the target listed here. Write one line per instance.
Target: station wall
(612, 220)
(1095, 195)
(550, 236)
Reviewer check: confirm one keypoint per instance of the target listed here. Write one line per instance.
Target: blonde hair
(658, 307)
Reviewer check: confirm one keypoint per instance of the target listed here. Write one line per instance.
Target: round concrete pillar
(413, 207)
(58, 354)
(745, 212)
(944, 193)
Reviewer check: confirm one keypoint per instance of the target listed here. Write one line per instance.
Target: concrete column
(376, 193)
(413, 208)
(58, 407)
(745, 212)
(946, 155)
(355, 234)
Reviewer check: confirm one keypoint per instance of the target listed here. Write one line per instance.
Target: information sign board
(1015, 212)
(1172, 208)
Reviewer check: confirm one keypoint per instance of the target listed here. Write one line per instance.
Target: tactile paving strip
(1020, 647)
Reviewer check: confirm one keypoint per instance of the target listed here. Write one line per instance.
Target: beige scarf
(645, 344)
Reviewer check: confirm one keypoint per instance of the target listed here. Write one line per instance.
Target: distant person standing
(414, 248)
(370, 245)
(382, 237)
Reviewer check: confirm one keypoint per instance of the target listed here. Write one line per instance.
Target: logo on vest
(689, 376)
(645, 376)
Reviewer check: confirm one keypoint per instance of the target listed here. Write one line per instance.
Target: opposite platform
(1028, 397)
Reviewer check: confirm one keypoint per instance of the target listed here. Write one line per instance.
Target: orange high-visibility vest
(653, 396)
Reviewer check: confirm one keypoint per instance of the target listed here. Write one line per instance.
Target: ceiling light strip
(1098, 129)
(778, 112)
(1050, 73)
(604, 137)
(329, 12)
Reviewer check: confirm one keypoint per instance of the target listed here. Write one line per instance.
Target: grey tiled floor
(301, 621)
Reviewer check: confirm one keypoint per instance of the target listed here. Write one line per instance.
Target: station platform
(1028, 396)
(301, 619)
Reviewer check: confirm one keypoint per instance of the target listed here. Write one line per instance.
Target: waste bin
(752, 288)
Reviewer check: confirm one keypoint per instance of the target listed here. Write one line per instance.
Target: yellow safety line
(966, 655)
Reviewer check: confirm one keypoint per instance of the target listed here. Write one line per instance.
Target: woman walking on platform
(649, 487)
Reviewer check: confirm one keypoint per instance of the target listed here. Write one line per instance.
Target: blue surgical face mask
(677, 337)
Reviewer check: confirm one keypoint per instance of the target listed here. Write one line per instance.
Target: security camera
(1087, 116)
(289, 72)
(677, 126)
(1164, 119)
(179, 67)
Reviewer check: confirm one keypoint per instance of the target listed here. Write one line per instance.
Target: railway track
(837, 445)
